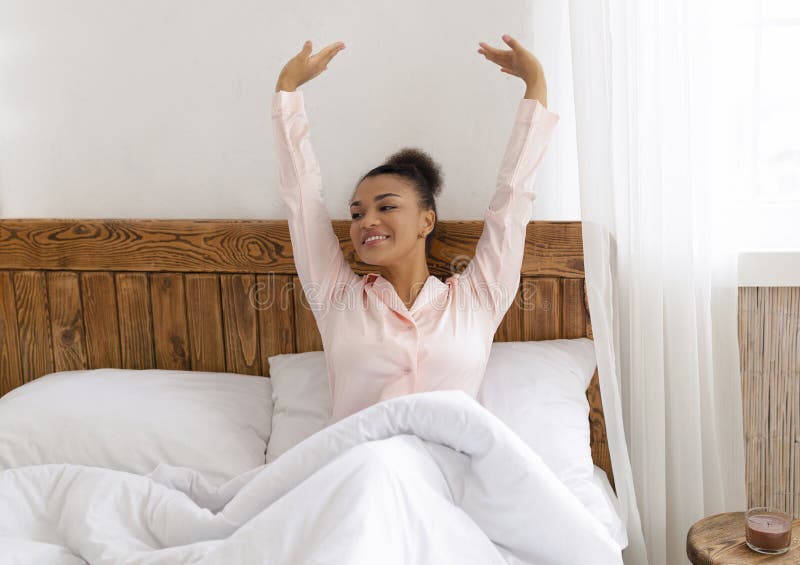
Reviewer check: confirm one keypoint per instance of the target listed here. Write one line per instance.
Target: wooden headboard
(223, 295)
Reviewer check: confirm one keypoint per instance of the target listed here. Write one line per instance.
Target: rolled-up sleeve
(493, 274)
(319, 260)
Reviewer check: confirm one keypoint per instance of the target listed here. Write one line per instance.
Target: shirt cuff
(284, 102)
(534, 111)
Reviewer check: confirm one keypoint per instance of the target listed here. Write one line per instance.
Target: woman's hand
(519, 62)
(303, 67)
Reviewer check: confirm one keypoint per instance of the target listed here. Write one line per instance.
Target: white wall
(161, 109)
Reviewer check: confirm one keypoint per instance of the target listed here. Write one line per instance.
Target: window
(778, 101)
(765, 211)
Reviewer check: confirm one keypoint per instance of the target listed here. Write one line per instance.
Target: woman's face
(386, 206)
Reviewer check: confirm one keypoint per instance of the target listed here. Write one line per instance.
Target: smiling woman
(400, 330)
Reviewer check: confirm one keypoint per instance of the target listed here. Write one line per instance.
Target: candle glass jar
(768, 530)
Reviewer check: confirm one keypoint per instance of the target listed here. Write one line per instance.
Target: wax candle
(768, 530)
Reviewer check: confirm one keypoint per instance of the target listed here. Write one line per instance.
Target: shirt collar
(386, 292)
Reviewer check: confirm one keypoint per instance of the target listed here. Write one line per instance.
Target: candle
(768, 530)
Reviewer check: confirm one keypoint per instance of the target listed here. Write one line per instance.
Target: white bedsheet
(424, 478)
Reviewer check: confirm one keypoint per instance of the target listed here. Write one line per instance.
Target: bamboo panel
(747, 344)
(769, 343)
(135, 321)
(66, 317)
(99, 301)
(204, 316)
(240, 325)
(170, 332)
(793, 395)
(33, 324)
(10, 365)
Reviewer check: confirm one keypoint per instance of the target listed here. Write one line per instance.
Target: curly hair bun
(425, 165)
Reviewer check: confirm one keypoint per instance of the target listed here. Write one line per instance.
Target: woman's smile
(375, 241)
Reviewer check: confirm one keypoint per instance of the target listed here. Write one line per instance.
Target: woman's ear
(430, 219)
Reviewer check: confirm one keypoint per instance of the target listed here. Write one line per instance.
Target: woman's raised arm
(321, 266)
(493, 274)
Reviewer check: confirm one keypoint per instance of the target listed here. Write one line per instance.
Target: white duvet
(430, 478)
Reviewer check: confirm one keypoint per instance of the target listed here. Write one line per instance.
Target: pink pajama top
(375, 347)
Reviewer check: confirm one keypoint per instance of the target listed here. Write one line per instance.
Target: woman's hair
(423, 172)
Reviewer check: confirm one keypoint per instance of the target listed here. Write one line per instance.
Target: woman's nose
(370, 219)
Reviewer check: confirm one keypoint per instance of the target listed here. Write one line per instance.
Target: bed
(222, 296)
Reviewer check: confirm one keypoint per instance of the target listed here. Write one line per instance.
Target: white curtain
(656, 111)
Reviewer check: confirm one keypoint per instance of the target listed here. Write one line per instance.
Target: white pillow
(301, 399)
(132, 420)
(537, 388)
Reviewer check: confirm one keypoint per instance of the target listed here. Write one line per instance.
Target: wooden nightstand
(719, 540)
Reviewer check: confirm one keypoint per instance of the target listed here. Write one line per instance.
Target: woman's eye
(355, 215)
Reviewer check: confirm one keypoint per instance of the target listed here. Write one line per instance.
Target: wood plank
(551, 248)
(99, 301)
(10, 364)
(589, 333)
(135, 321)
(240, 325)
(244, 246)
(574, 317)
(66, 318)
(274, 300)
(542, 311)
(141, 245)
(170, 334)
(512, 327)
(597, 429)
(307, 336)
(204, 315)
(33, 324)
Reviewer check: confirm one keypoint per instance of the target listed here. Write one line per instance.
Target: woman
(400, 330)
